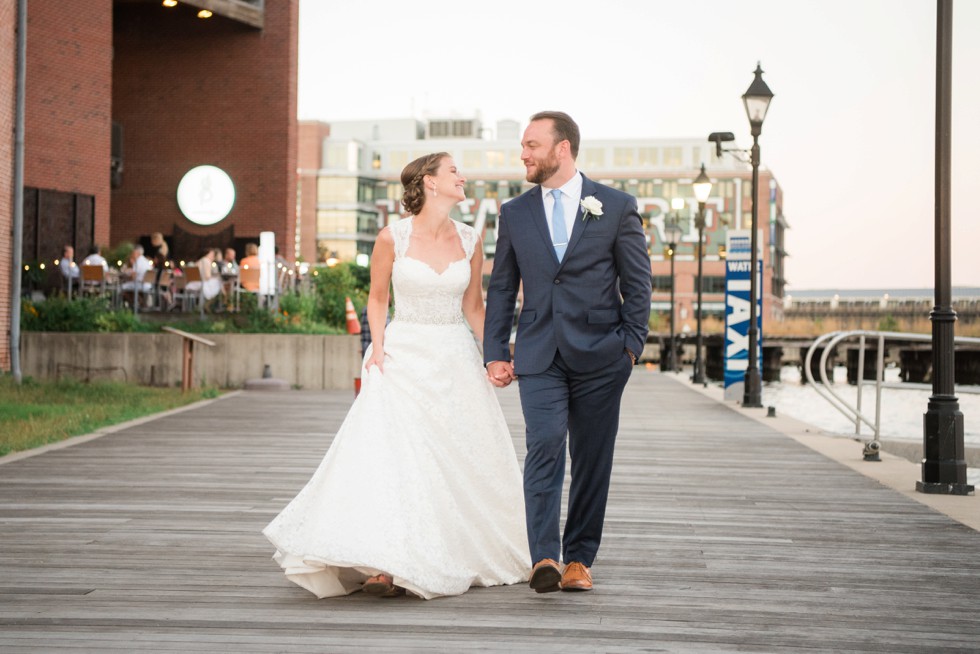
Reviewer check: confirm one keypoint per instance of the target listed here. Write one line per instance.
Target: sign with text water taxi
(738, 287)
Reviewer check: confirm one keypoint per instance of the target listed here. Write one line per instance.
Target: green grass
(37, 413)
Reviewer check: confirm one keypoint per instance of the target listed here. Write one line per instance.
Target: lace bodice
(422, 295)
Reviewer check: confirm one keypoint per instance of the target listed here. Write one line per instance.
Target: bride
(420, 490)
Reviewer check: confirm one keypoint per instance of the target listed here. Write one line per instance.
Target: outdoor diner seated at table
(251, 261)
(95, 258)
(210, 285)
(133, 276)
(134, 270)
(67, 263)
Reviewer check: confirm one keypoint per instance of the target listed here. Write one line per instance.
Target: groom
(579, 249)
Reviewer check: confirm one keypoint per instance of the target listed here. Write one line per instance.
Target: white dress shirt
(571, 194)
(68, 268)
(96, 260)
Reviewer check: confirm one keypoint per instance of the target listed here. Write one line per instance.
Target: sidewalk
(725, 532)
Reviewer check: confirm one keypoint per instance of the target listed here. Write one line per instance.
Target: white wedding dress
(421, 480)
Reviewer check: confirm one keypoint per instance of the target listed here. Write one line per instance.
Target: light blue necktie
(558, 225)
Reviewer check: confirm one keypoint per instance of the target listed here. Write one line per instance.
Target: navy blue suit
(577, 319)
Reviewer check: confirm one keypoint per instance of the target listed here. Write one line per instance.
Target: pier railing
(855, 412)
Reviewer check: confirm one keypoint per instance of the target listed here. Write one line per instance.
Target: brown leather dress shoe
(382, 585)
(576, 577)
(545, 576)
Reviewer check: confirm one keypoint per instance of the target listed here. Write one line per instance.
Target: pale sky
(849, 135)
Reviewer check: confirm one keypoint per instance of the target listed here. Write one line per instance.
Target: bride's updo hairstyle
(413, 199)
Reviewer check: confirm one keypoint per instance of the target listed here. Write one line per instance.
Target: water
(901, 408)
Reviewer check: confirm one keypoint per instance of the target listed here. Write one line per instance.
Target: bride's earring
(435, 193)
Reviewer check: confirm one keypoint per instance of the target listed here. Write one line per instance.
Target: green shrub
(120, 320)
(59, 314)
(302, 306)
(335, 284)
(86, 314)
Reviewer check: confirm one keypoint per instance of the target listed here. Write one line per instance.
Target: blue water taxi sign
(738, 286)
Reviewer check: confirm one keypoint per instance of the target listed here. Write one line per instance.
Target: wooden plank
(189, 336)
(721, 535)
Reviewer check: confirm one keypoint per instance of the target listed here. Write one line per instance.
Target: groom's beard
(543, 170)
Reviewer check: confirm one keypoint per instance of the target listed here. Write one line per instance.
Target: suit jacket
(589, 307)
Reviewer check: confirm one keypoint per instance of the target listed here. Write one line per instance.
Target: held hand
(500, 373)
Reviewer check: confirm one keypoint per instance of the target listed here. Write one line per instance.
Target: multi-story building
(358, 192)
(123, 98)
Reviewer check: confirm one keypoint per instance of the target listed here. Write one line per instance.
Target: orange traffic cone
(353, 324)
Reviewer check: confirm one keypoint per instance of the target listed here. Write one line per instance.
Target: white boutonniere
(591, 208)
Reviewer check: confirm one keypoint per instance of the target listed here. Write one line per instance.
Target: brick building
(124, 97)
(221, 92)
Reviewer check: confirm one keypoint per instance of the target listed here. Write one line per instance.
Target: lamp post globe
(756, 99)
(702, 189)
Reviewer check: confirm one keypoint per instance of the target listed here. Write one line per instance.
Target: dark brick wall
(189, 92)
(68, 101)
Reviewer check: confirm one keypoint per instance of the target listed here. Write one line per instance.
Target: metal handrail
(854, 413)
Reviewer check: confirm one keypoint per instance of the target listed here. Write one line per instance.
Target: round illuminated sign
(205, 195)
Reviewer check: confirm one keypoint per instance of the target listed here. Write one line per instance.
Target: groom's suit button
(558, 281)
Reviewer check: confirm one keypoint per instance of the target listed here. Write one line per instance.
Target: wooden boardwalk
(722, 535)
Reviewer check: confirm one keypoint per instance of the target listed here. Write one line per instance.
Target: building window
(646, 188)
(439, 129)
(367, 222)
(330, 221)
(336, 189)
(623, 156)
(365, 191)
(594, 158)
(673, 157)
(661, 283)
(395, 191)
(496, 159)
(648, 156)
(454, 128)
(724, 189)
(712, 284)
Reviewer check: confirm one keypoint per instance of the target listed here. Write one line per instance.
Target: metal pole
(752, 396)
(670, 351)
(18, 227)
(944, 463)
(698, 377)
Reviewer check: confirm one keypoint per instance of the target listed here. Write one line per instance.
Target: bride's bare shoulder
(386, 235)
(385, 241)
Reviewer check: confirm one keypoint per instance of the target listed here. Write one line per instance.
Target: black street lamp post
(673, 233)
(702, 189)
(944, 461)
(756, 100)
